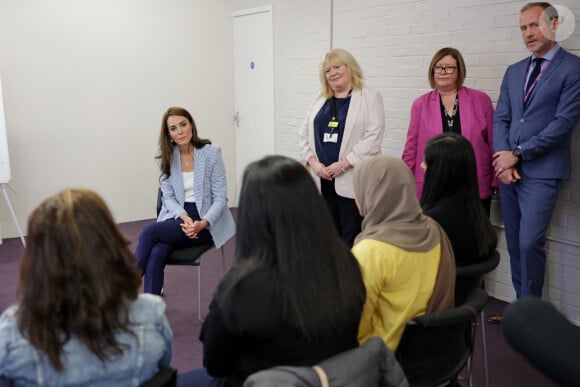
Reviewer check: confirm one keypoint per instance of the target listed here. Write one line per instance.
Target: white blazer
(362, 138)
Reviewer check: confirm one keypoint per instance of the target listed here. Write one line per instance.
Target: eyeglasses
(444, 69)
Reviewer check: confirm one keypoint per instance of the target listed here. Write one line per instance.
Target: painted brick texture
(394, 42)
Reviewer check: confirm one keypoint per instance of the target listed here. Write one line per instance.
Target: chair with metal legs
(470, 277)
(436, 347)
(190, 256)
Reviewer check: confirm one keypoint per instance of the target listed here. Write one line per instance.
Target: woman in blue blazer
(194, 207)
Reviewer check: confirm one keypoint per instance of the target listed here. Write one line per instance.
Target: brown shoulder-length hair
(461, 70)
(337, 57)
(165, 143)
(77, 277)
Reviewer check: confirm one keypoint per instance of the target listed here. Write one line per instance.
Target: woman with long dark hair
(194, 208)
(451, 197)
(294, 295)
(80, 320)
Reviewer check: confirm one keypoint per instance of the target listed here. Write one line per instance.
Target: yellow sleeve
(372, 277)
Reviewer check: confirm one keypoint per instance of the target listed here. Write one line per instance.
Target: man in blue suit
(538, 107)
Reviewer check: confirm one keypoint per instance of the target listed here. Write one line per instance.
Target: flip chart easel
(9, 203)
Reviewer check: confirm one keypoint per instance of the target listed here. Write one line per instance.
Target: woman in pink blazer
(452, 107)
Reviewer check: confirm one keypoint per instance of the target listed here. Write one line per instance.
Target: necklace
(450, 117)
(186, 159)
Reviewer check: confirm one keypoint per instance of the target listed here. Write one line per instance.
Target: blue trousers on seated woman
(157, 241)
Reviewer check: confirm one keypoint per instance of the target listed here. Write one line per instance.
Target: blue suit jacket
(210, 189)
(543, 127)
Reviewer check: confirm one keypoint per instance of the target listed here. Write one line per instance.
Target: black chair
(470, 277)
(165, 377)
(435, 347)
(190, 256)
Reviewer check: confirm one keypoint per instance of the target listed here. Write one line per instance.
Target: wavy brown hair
(77, 277)
(165, 144)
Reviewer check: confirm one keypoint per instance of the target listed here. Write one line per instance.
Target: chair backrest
(435, 347)
(165, 377)
(159, 196)
(371, 364)
(470, 277)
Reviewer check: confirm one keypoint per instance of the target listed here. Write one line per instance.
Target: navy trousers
(198, 378)
(344, 212)
(527, 208)
(157, 241)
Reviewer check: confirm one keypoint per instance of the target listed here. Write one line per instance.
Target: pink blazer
(476, 117)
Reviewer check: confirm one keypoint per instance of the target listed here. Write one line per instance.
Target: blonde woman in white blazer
(344, 126)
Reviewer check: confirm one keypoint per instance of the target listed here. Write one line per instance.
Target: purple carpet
(506, 368)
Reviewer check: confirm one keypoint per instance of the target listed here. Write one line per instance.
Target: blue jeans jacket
(147, 352)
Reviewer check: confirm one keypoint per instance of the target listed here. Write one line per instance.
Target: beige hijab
(386, 194)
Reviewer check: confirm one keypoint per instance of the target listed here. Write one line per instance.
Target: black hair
(284, 225)
(451, 171)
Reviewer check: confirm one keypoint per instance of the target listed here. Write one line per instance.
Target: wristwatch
(517, 151)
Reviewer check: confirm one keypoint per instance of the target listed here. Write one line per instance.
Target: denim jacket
(147, 351)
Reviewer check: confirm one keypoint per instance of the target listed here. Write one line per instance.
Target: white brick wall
(394, 42)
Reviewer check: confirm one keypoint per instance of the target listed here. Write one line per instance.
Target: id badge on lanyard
(331, 136)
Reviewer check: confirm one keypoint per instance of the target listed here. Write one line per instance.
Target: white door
(253, 86)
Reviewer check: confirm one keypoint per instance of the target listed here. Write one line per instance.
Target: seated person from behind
(295, 293)
(406, 258)
(451, 197)
(80, 319)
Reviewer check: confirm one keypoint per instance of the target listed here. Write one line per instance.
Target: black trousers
(344, 212)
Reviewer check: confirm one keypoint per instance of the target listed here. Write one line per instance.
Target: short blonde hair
(339, 56)
(461, 70)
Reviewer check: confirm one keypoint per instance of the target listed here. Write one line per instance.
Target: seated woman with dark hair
(80, 320)
(295, 293)
(451, 197)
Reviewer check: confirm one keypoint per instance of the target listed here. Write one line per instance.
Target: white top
(188, 187)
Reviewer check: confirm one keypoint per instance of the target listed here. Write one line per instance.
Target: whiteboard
(4, 159)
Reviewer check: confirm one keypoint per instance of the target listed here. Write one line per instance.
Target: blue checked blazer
(210, 189)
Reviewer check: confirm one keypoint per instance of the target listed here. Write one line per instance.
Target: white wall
(86, 82)
(394, 42)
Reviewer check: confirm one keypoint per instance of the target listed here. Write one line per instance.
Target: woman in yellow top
(405, 257)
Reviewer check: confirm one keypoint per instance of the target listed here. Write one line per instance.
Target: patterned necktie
(535, 72)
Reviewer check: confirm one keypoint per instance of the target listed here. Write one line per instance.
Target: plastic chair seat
(189, 256)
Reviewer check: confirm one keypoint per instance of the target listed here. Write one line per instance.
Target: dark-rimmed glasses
(444, 69)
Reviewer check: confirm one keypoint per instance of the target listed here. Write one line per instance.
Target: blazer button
(522, 120)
